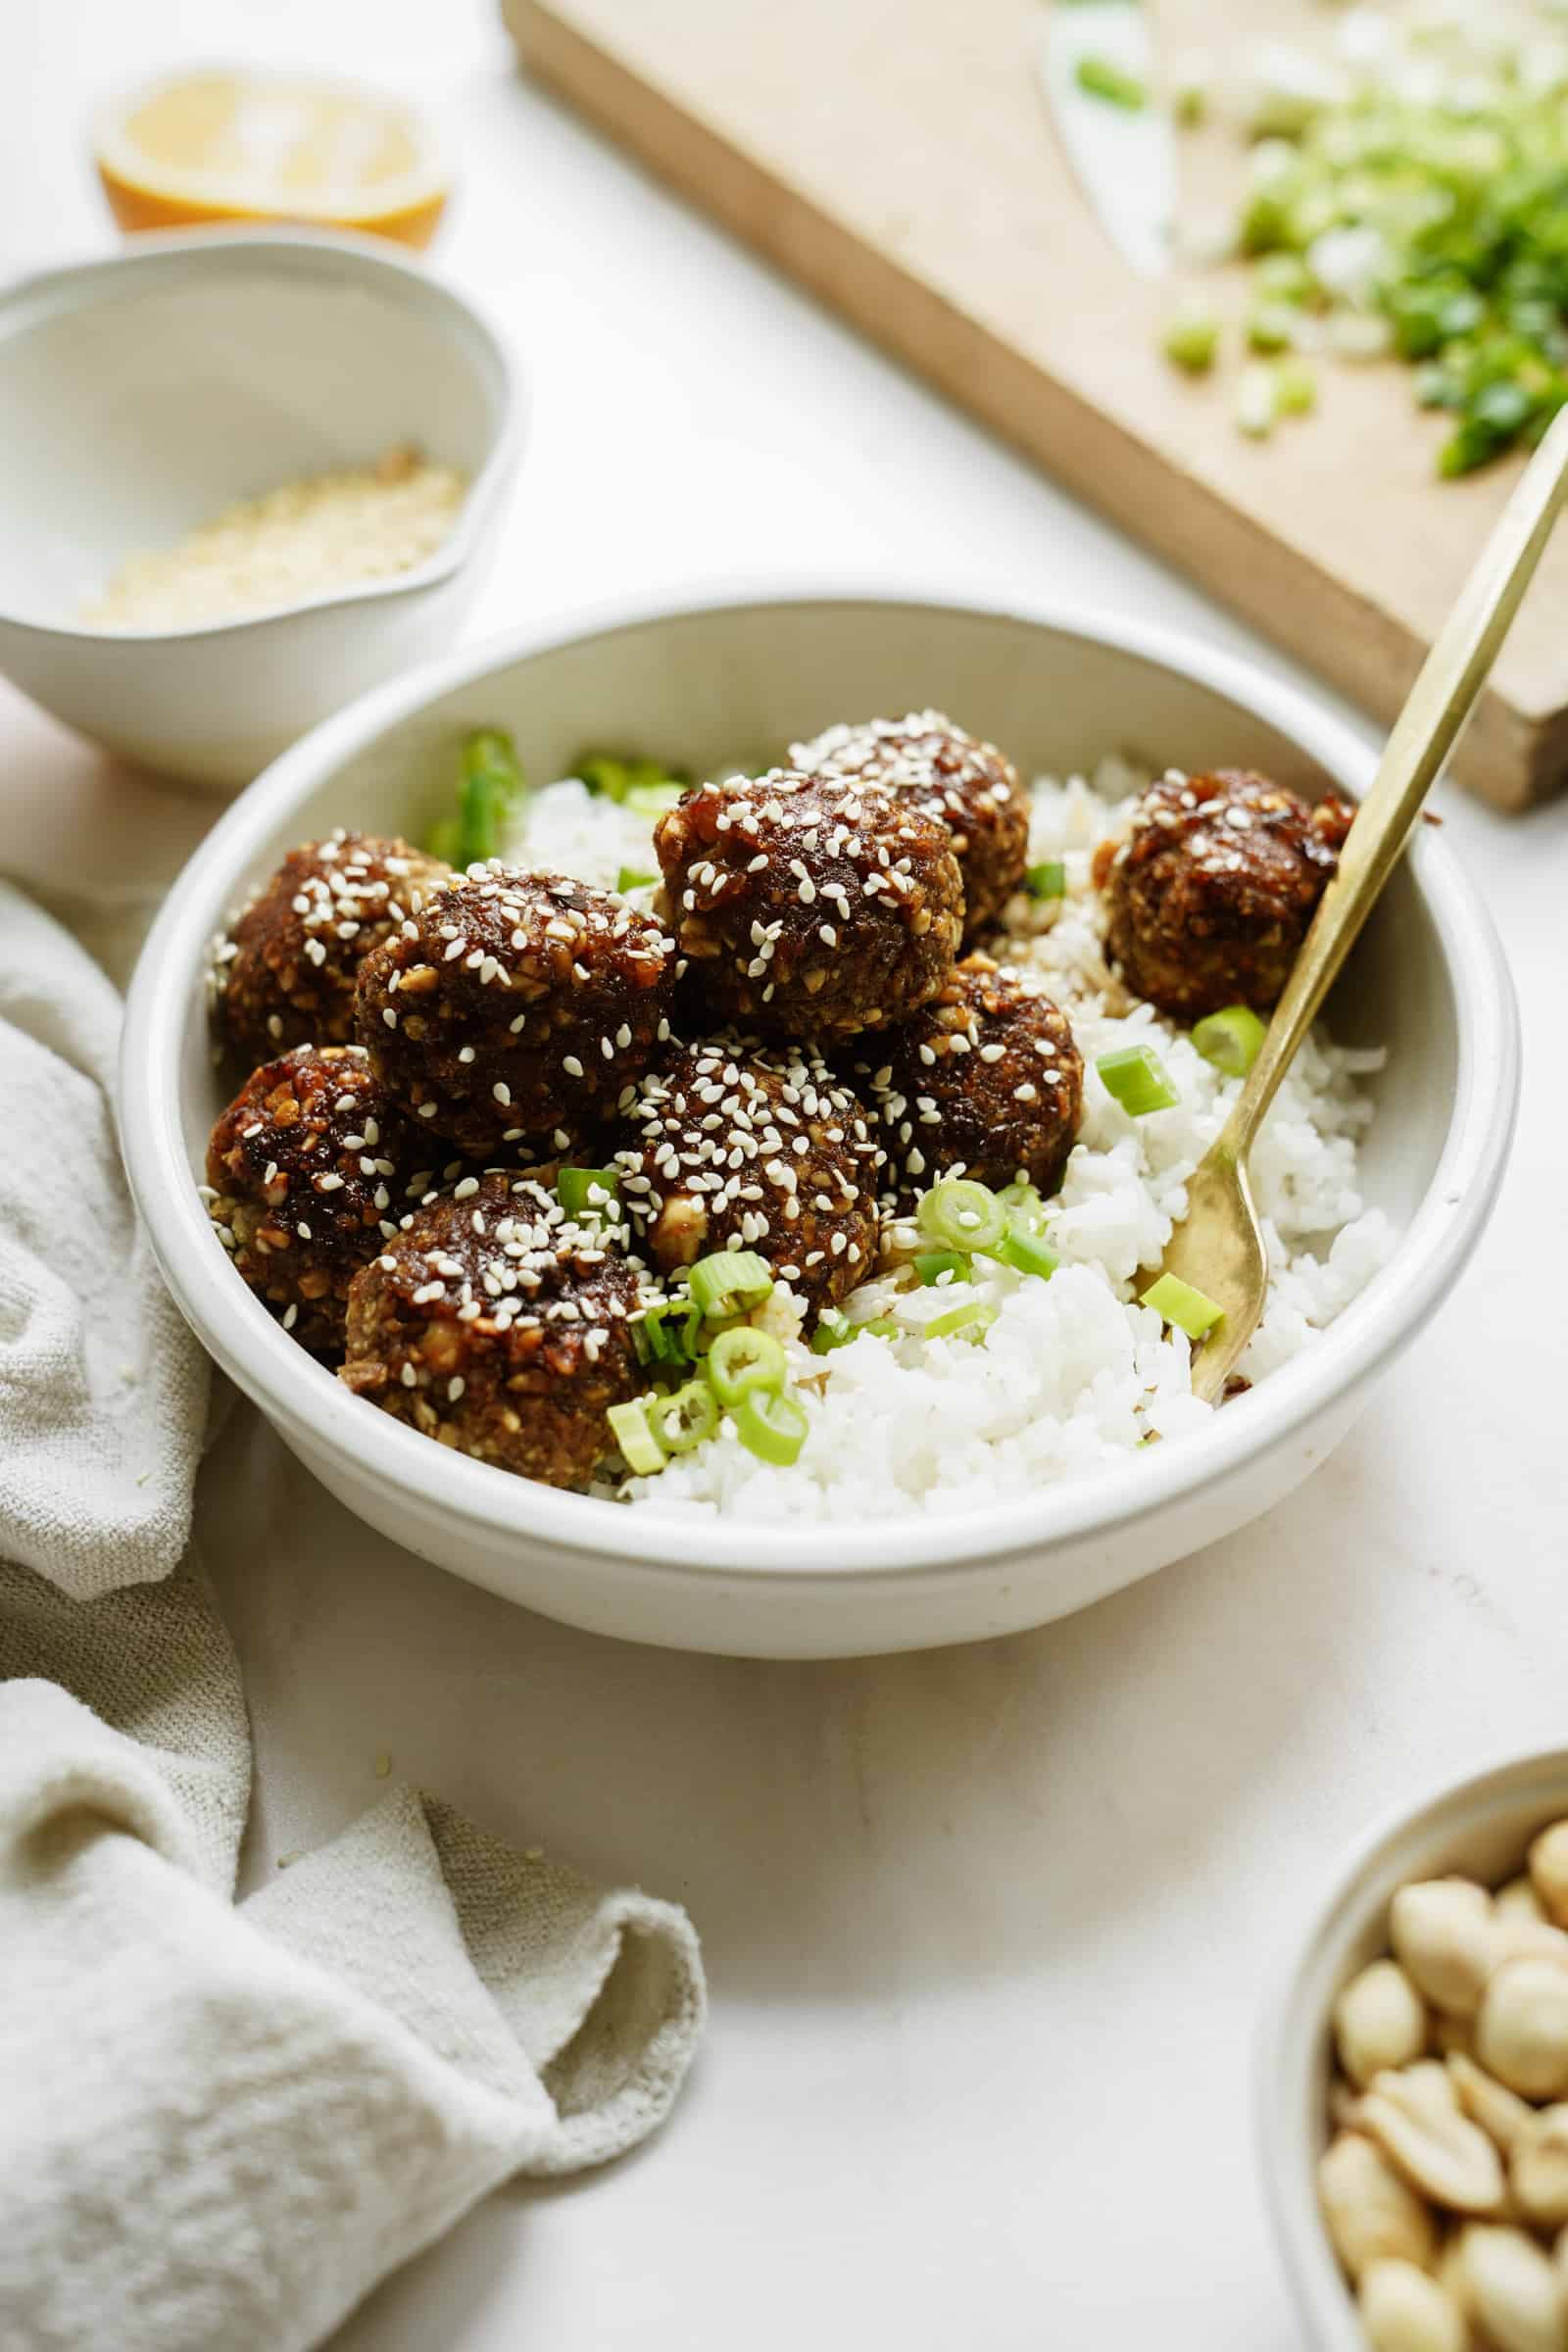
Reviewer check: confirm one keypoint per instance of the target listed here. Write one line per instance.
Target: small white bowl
(1479, 1828)
(143, 393)
(700, 686)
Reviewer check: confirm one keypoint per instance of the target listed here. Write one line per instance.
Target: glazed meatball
(517, 1009)
(285, 975)
(1210, 894)
(305, 1171)
(766, 1152)
(809, 905)
(987, 1082)
(502, 1327)
(968, 784)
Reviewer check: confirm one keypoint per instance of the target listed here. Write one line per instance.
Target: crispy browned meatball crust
(285, 975)
(1210, 897)
(809, 905)
(306, 1171)
(517, 1009)
(498, 1325)
(766, 1151)
(986, 1081)
(969, 785)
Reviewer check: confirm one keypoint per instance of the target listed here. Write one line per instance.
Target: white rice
(1072, 1376)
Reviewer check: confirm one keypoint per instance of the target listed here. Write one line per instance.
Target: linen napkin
(222, 2126)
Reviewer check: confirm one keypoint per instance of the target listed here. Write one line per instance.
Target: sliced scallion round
(580, 1189)
(684, 1418)
(1027, 1251)
(1134, 1077)
(833, 1330)
(771, 1425)
(960, 1214)
(729, 1282)
(633, 1433)
(933, 1264)
(973, 1321)
(1048, 880)
(1177, 1302)
(631, 877)
(742, 1360)
(1230, 1039)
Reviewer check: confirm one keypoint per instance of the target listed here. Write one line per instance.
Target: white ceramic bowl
(700, 686)
(1479, 1828)
(143, 393)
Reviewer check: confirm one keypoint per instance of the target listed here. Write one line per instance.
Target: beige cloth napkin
(222, 2126)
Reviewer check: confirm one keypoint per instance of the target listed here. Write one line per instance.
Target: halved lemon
(257, 146)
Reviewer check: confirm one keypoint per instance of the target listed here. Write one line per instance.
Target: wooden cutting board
(895, 156)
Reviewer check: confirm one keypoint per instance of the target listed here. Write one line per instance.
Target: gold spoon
(1218, 1246)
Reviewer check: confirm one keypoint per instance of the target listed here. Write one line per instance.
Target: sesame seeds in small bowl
(329, 430)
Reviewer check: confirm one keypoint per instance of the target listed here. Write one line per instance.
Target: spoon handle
(1423, 735)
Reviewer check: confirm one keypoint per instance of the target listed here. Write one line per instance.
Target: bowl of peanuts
(1414, 2081)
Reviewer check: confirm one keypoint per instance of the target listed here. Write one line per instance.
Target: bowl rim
(303, 1396)
(307, 253)
(1376, 1858)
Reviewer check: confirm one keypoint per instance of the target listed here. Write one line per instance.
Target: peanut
(1415, 2119)
(1370, 2212)
(1508, 2286)
(1502, 2113)
(1549, 1871)
(1538, 2169)
(1522, 2027)
(1440, 1929)
(1404, 2310)
(1380, 2021)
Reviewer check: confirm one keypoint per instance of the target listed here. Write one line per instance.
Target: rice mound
(1074, 1375)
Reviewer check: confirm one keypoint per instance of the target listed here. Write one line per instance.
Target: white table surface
(987, 1929)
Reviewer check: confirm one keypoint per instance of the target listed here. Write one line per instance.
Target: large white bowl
(700, 686)
(143, 393)
(1480, 1828)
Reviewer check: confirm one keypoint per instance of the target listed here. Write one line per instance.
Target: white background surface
(986, 1930)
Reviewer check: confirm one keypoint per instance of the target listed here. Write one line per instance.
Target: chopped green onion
(1191, 340)
(1189, 103)
(580, 1189)
(653, 800)
(742, 1361)
(1271, 326)
(932, 1264)
(1178, 1303)
(632, 1432)
(1294, 388)
(491, 785)
(729, 1282)
(683, 1419)
(1256, 401)
(630, 877)
(976, 1317)
(613, 776)
(664, 1334)
(1134, 1077)
(1230, 1039)
(1101, 78)
(1027, 1253)
(1284, 277)
(1047, 881)
(1021, 1199)
(772, 1426)
(833, 1330)
(883, 1327)
(961, 1214)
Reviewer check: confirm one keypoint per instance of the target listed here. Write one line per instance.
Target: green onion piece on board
(1027, 1253)
(1230, 1039)
(491, 785)
(729, 1282)
(633, 1433)
(972, 1321)
(833, 1330)
(1190, 341)
(1294, 388)
(1134, 1077)
(1100, 78)
(771, 1426)
(932, 1264)
(682, 1420)
(961, 1214)
(742, 1360)
(580, 1189)
(1178, 1303)
(631, 879)
(1047, 881)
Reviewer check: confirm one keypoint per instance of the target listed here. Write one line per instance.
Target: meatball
(286, 974)
(810, 905)
(497, 1324)
(986, 1082)
(968, 784)
(517, 1009)
(303, 1170)
(1210, 897)
(766, 1152)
